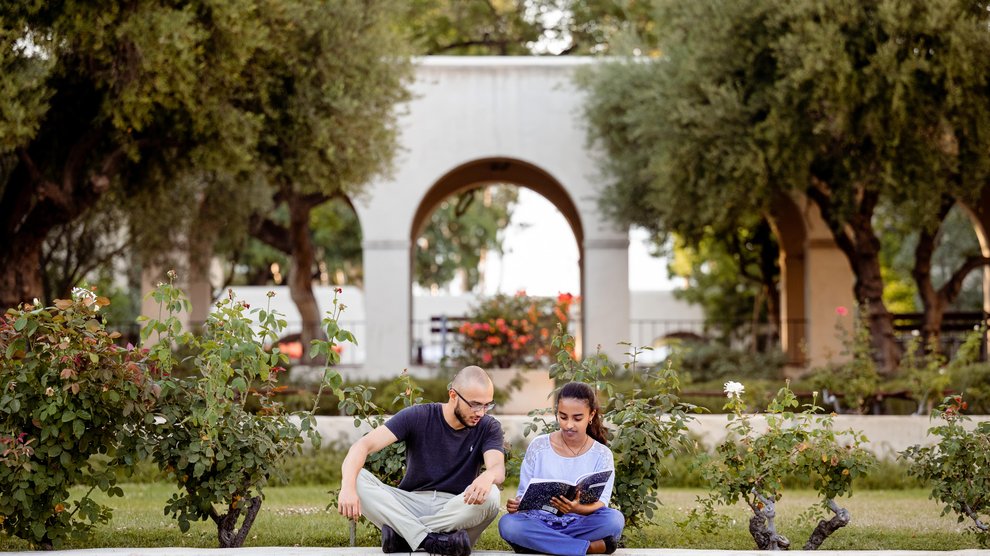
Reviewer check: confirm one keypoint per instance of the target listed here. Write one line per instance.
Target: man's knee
(366, 482)
(491, 505)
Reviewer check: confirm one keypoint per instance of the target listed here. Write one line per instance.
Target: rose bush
(512, 330)
(646, 424)
(751, 466)
(958, 466)
(220, 455)
(67, 393)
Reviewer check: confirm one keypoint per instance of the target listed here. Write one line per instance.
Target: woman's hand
(566, 506)
(512, 505)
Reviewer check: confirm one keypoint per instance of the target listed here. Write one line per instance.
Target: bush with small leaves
(752, 466)
(645, 425)
(957, 467)
(220, 455)
(67, 393)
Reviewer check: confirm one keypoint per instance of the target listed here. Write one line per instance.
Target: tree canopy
(192, 111)
(847, 102)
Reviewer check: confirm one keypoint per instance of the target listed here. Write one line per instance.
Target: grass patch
(297, 516)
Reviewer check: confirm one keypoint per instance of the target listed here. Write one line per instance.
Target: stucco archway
(483, 120)
(514, 172)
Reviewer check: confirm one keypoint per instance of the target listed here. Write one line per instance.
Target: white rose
(734, 389)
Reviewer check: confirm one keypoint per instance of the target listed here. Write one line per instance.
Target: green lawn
(297, 516)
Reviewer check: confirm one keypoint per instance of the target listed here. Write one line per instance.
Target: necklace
(573, 452)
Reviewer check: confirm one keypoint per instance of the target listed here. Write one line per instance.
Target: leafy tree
(934, 267)
(847, 102)
(459, 235)
(336, 235)
(734, 279)
(100, 96)
(470, 27)
(329, 99)
(598, 26)
(525, 27)
(297, 99)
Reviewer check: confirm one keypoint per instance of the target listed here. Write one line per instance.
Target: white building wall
(474, 108)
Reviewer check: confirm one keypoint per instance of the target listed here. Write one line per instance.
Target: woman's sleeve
(607, 462)
(527, 468)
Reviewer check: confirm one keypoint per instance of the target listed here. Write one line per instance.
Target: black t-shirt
(439, 457)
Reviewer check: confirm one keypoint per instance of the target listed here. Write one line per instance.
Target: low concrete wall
(887, 434)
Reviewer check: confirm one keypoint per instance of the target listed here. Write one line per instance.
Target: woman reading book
(567, 525)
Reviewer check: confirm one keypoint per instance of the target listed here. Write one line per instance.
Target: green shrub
(646, 424)
(958, 467)
(67, 393)
(218, 453)
(752, 467)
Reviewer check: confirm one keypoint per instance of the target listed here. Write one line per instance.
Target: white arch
(469, 109)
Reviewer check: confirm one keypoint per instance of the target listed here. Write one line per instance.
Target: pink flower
(841, 311)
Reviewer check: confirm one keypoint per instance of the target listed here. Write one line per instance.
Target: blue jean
(527, 530)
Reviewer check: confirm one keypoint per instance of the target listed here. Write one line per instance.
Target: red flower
(841, 311)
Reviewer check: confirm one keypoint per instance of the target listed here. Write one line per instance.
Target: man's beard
(461, 419)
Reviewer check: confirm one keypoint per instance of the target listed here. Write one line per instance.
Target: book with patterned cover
(539, 492)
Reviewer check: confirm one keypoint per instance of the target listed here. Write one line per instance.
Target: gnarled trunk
(762, 527)
(935, 302)
(855, 236)
(228, 534)
(827, 527)
(20, 271)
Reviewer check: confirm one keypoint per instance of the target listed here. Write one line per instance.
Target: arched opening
(435, 320)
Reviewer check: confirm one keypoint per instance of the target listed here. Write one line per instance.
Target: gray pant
(414, 514)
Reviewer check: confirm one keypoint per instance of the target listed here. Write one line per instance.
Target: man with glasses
(444, 501)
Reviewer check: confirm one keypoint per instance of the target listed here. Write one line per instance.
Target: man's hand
(512, 505)
(348, 504)
(478, 491)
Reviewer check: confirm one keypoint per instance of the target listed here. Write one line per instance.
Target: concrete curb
(376, 551)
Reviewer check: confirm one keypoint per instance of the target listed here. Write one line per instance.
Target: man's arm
(348, 502)
(494, 474)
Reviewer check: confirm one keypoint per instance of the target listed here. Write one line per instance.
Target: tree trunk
(857, 239)
(869, 291)
(762, 527)
(20, 271)
(932, 304)
(826, 528)
(301, 271)
(227, 534)
(935, 302)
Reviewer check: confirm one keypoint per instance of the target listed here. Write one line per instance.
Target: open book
(539, 491)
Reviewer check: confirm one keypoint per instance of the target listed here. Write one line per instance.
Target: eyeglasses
(475, 406)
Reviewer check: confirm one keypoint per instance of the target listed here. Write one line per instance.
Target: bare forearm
(588, 509)
(351, 466)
